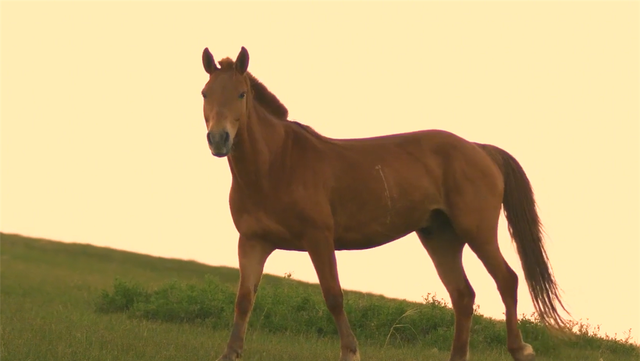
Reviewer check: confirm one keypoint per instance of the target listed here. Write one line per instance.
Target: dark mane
(261, 94)
(267, 99)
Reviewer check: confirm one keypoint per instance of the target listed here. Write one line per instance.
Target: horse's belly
(383, 201)
(375, 227)
(366, 240)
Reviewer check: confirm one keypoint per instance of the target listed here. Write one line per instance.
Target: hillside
(62, 301)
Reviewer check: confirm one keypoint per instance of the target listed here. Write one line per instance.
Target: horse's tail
(526, 231)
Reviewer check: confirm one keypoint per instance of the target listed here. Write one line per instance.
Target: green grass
(62, 301)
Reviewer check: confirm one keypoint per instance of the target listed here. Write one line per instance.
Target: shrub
(287, 306)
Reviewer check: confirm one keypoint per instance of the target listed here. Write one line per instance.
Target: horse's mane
(267, 100)
(261, 94)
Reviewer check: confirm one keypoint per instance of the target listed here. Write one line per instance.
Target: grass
(64, 301)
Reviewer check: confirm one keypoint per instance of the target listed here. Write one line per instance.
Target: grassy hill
(63, 301)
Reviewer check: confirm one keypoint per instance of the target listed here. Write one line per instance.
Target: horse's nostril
(222, 137)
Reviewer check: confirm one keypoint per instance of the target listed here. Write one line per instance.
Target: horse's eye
(204, 95)
(242, 95)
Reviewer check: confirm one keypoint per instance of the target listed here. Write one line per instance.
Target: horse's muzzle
(219, 143)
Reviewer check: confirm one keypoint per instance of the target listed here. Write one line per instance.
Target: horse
(295, 189)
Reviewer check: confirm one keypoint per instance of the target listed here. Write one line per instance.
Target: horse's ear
(208, 62)
(242, 61)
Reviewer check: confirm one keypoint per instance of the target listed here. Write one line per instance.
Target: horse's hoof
(524, 353)
(226, 358)
(229, 357)
(460, 358)
(350, 356)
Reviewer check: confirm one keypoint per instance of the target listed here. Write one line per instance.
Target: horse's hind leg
(445, 249)
(487, 249)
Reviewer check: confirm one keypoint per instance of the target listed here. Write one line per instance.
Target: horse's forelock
(226, 64)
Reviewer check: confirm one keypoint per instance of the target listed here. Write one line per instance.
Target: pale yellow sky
(103, 140)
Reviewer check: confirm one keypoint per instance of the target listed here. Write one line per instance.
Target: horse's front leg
(322, 253)
(252, 255)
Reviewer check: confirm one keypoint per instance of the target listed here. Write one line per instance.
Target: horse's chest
(269, 224)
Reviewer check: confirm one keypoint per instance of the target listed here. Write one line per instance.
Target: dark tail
(526, 231)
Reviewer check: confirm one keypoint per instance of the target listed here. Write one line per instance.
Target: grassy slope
(47, 313)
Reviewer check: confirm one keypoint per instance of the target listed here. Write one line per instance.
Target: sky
(102, 137)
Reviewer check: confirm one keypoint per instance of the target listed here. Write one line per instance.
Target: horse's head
(226, 99)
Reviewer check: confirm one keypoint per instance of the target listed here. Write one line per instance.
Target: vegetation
(63, 301)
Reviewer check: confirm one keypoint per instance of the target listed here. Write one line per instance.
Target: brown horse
(294, 189)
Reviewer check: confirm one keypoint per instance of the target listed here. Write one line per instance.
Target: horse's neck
(256, 145)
